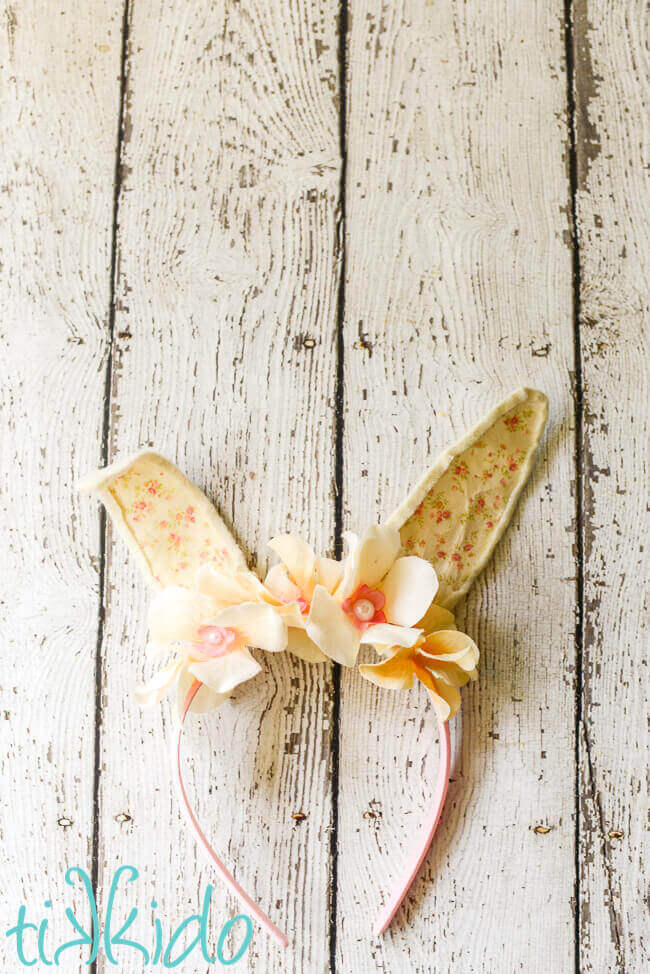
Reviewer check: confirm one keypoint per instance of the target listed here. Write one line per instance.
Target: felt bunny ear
(454, 518)
(173, 530)
(459, 510)
(168, 523)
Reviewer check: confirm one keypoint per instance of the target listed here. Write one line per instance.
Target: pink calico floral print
(453, 523)
(165, 526)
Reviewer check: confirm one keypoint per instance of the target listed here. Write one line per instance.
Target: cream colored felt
(459, 510)
(169, 524)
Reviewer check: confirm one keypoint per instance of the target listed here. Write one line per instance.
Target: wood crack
(339, 430)
(579, 465)
(595, 798)
(106, 427)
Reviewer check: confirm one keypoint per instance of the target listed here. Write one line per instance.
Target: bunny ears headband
(395, 589)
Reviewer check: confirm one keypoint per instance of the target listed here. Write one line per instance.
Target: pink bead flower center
(215, 641)
(364, 607)
(303, 605)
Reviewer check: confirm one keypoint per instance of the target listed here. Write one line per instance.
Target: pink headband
(395, 590)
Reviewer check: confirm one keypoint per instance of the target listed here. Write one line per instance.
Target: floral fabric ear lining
(394, 590)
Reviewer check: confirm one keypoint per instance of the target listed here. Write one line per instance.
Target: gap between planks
(570, 47)
(339, 432)
(103, 520)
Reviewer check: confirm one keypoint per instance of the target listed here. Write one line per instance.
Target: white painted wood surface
(460, 283)
(612, 85)
(60, 97)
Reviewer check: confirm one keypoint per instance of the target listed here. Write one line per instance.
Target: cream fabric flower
(293, 583)
(379, 599)
(209, 640)
(443, 661)
(227, 587)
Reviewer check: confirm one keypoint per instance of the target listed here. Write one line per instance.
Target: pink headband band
(394, 591)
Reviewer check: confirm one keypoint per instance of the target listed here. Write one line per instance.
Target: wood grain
(458, 290)
(224, 360)
(220, 348)
(613, 152)
(60, 92)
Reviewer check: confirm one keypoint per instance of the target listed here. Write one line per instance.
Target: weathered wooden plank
(611, 89)
(458, 290)
(224, 360)
(60, 93)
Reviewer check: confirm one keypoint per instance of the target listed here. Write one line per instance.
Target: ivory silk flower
(209, 642)
(294, 582)
(379, 599)
(443, 660)
(228, 587)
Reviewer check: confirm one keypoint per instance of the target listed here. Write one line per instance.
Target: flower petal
(228, 588)
(205, 700)
(395, 673)
(224, 673)
(299, 559)
(448, 674)
(446, 699)
(176, 614)
(303, 647)
(152, 692)
(331, 629)
(280, 585)
(383, 634)
(329, 573)
(371, 559)
(437, 618)
(452, 647)
(292, 615)
(409, 587)
(258, 624)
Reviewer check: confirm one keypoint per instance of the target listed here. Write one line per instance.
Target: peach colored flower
(442, 660)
